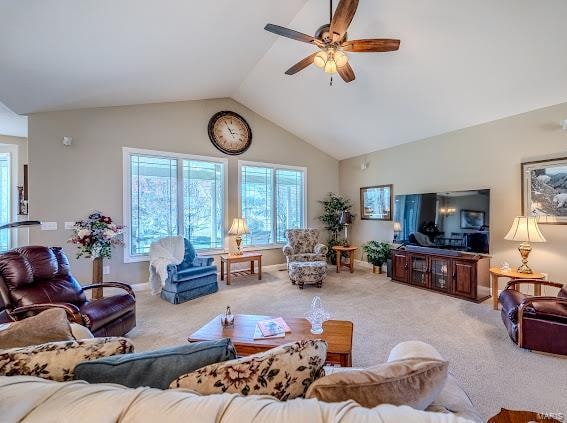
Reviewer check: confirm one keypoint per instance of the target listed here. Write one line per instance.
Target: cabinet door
(464, 274)
(418, 270)
(439, 274)
(400, 267)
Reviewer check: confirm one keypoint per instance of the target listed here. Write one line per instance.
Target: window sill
(215, 252)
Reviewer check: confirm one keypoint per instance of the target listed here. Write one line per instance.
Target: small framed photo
(376, 203)
(544, 190)
(472, 219)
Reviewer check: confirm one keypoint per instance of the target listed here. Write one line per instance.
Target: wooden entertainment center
(449, 272)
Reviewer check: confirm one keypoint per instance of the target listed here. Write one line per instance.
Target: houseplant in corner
(377, 254)
(333, 206)
(95, 237)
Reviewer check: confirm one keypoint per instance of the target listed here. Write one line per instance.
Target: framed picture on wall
(376, 203)
(472, 219)
(544, 190)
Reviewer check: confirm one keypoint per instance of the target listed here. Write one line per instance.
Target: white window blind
(289, 201)
(173, 195)
(153, 201)
(257, 203)
(272, 200)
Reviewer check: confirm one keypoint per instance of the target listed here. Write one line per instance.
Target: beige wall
(66, 183)
(484, 156)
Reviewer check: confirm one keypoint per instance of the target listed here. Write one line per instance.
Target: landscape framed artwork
(544, 190)
(376, 202)
(472, 219)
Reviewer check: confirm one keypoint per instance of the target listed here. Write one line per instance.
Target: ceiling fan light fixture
(340, 58)
(330, 66)
(320, 59)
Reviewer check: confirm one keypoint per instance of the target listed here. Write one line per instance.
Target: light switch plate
(69, 226)
(106, 270)
(48, 226)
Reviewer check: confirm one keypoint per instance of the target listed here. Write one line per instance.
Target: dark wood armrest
(514, 282)
(120, 285)
(72, 310)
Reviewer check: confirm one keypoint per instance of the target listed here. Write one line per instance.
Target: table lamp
(525, 230)
(397, 230)
(345, 220)
(238, 228)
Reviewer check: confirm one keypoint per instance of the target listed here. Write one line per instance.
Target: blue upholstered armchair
(192, 278)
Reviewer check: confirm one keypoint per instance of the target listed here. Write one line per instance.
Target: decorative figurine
(228, 319)
(316, 316)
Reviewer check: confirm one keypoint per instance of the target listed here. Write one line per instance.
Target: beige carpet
(471, 336)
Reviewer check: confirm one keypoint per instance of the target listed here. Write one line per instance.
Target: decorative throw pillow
(284, 372)
(57, 360)
(48, 326)
(155, 369)
(413, 381)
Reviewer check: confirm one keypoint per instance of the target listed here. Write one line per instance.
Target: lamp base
(525, 248)
(238, 247)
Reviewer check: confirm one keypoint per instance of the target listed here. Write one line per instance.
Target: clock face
(230, 133)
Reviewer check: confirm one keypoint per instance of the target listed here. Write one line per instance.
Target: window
(168, 194)
(5, 202)
(272, 199)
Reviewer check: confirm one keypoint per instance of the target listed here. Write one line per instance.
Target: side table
(228, 260)
(496, 273)
(339, 249)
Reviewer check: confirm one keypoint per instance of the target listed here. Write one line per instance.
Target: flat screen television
(455, 220)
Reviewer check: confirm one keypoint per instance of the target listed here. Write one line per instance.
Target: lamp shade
(525, 229)
(239, 227)
(397, 226)
(346, 218)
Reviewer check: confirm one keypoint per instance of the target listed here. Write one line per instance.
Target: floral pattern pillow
(57, 360)
(284, 372)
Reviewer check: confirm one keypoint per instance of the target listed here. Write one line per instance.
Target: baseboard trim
(138, 287)
(363, 263)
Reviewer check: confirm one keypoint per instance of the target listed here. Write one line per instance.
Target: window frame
(12, 152)
(274, 167)
(127, 152)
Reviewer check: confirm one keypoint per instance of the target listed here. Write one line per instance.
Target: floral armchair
(303, 245)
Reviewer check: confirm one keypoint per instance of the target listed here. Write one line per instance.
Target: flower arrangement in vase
(96, 236)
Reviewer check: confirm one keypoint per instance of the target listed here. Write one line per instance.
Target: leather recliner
(535, 323)
(36, 278)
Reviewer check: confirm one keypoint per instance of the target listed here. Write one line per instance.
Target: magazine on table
(258, 334)
(273, 327)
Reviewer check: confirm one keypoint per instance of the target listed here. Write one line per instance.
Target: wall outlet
(69, 226)
(48, 226)
(106, 270)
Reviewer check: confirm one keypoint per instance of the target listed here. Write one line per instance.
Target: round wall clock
(230, 133)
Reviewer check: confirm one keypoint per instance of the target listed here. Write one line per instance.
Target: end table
(496, 272)
(228, 260)
(339, 249)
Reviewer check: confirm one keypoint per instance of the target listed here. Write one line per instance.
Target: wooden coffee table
(337, 333)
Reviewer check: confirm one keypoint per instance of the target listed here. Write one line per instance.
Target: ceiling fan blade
(290, 33)
(371, 45)
(301, 64)
(342, 18)
(346, 73)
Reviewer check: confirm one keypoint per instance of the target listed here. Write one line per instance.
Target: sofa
(31, 399)
(194, 277)
(36, 278)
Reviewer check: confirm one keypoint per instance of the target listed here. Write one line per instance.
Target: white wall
(18, 148)
(66, 183)
(484, 156)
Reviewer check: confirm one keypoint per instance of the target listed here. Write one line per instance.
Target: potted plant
(333, 206)
(377, 254)
(95, 236)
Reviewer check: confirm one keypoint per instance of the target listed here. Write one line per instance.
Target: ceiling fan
(332, 39)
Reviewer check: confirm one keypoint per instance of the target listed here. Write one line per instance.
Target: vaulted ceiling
(460, 63)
